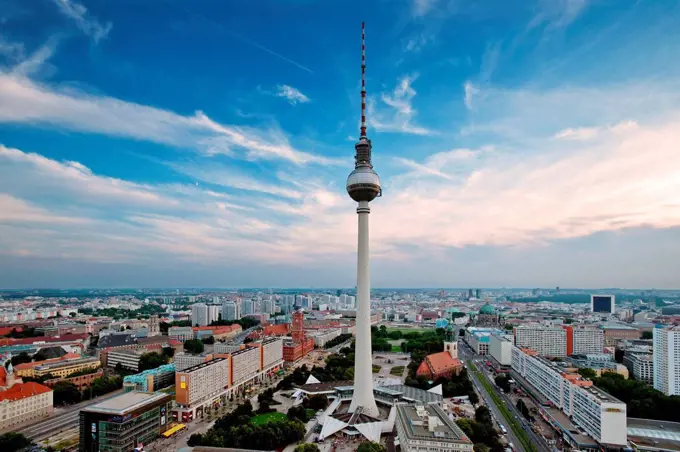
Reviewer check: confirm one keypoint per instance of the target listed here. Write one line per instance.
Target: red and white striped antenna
(363, 80)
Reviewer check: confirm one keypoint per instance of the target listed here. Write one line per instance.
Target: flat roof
(445, 431)
(126, 402)
(201, 365)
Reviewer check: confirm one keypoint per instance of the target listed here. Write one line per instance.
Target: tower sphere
(363, 184)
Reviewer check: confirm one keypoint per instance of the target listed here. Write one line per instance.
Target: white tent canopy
(331, 427)
(436, 390)
(312, 380)
(370, 430)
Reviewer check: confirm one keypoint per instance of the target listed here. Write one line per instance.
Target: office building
(201, 385)
(479, 338)
(640, 365)
(584, 339)
(667, 360)
(550, 341)
(185, 360)
(427, 428)
(323, 336)
(150, 380)
(181, 333)
(128, 359)
(603, 304)
(125, 422)
(24, 402)
(247, 307)
(616, 332)
(597, 413)
(231, 310)
(500, 349)
(66, 367)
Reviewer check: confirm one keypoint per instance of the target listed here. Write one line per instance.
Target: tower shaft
(363, 361)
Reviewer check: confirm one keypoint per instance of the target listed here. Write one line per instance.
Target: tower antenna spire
(363, 80)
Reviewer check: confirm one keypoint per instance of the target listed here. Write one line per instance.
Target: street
(62, 419)
(539, 442)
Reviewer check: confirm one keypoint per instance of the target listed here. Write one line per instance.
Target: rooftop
(22, 390)
(429, 422)
(126, 403)
(202, 365)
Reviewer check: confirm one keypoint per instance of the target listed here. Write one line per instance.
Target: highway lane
(60, 421)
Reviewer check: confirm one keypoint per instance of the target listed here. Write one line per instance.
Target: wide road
(538, 441)
(61, 420)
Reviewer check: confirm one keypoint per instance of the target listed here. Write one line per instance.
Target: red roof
(280, 329)
(31, 340)
(5, 330)
(438, 363)
(3, 376)
(22, 390)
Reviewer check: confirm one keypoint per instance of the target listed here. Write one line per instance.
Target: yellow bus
(171, 431)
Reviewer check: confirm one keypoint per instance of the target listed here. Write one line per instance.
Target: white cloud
(580, 133)
(293, 95)
(85, 22)
(23, 101)
(395, 112)
(422, 7)
(470, 92)
(36, 61)
(557, 14)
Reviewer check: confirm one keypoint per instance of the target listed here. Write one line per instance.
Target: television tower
(363, 186)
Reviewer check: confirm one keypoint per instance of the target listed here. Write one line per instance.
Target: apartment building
(201, 385)
(597, 413)
(272, 353)
(640, 365)
(25, 402)
(584, 339)
(550, 341)
(185, 360)
(666, 352)
(245, 365)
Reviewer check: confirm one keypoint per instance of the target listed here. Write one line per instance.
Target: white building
(201, 384)
(347, 301)
(423, 428)
(272, 353)
(231, 310)
(246, 364)
(500, 348)
(640, 365)
(180, 333)
(128, 359)
(247, 307)
(268, 306)
(204, 314)
(599, 414)
(587, 340)
(667, 360)
(546, 340)
(185, 360)
(321, 337)
(25, 402)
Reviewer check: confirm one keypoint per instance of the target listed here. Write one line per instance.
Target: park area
(262, 419)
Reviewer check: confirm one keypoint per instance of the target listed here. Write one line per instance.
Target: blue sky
(174, 143)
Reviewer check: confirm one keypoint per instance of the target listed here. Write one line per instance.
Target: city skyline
(524, 144)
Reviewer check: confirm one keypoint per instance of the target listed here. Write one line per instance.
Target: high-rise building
(603, 303)
(550, 341)
(500, 348)
(247, 307)
(363, 186)
(600, 415)
(231, 310)
(582, 340)
(667, 360)
(204, 314)
(640, 365)
(287, 304)
(268, 306)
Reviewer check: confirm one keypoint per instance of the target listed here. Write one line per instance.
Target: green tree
(297, 412)
(316, 402)
(307, 447)
(483, 415)
(480, 447)
(12, 441)
(195, 440)
(66, 393)
(371, 447)
(503, 382)
(588, 373)
(647, 335)
(194, 346)
(151, 360)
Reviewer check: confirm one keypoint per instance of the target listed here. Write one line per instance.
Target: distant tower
(298, 327)
(363, 186)
(154, 326)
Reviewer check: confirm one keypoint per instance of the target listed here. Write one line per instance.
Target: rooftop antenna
(363, 81)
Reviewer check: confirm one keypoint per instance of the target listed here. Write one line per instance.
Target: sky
(176, 143)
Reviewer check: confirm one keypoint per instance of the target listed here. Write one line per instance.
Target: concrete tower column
(363, 360)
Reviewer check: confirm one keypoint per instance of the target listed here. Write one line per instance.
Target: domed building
(487, 316)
